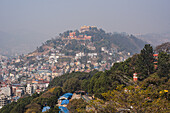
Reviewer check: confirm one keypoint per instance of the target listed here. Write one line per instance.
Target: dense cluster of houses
(85, 62)
(33, 72)
(12, 92)
(17, 82)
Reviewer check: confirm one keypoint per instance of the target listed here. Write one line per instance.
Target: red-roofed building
(155, 60)
(135, 78)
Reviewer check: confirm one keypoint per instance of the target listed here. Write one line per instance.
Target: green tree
(145, 60)
(101, 85)
(71, 85)
(58, 91)
(163, 64)
(76, 105)
(92, 82)
(52, 101)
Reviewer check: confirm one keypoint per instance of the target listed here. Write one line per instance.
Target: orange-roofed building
(72, 34)
(155, 60)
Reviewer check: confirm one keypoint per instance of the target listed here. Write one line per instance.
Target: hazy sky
(52, 17)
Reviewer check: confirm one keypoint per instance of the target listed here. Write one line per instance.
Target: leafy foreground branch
(132, 100)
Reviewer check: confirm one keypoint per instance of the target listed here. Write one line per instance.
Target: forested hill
(150, 93)
(100, 38)
(121, 41)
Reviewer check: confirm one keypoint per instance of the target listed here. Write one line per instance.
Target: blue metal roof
(65, 102)
(63, 109)
(67, 95)
(45, 108)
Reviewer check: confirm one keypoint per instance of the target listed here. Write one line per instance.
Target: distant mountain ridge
(165, 47)
(154, 38)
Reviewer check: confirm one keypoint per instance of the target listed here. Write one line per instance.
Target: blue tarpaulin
(67, 95)
(45, 108)
(63, 109)
(65, 102)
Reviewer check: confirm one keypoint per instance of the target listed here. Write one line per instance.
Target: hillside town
(28, 74)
